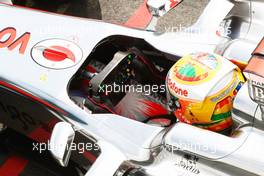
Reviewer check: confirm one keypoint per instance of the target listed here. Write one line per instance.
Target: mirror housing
(60, 142)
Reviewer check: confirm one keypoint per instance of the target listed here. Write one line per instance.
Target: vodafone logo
(177, 90)
(56, 54)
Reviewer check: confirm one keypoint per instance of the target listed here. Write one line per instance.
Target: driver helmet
(201, 88)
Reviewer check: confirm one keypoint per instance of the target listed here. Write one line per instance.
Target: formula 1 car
(59, 78)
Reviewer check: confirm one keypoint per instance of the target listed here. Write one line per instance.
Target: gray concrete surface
(183, 15)
(119, 11)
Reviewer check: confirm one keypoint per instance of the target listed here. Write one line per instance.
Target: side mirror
(60, 142)
(159, 8)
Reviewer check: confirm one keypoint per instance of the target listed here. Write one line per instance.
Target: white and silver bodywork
(154, 150)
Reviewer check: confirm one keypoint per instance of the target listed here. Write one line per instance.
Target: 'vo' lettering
(8, 40)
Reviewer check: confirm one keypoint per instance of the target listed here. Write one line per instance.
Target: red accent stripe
(43, 133)
(40, 135)
(13, 166)
(7, 85)
(89, 156)
(141, 17)
(90, 69)
(224, 102)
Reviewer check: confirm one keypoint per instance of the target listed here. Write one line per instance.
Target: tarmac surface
(119, 11)
(183, 15)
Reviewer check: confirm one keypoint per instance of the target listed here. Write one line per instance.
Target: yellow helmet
(201, 88)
